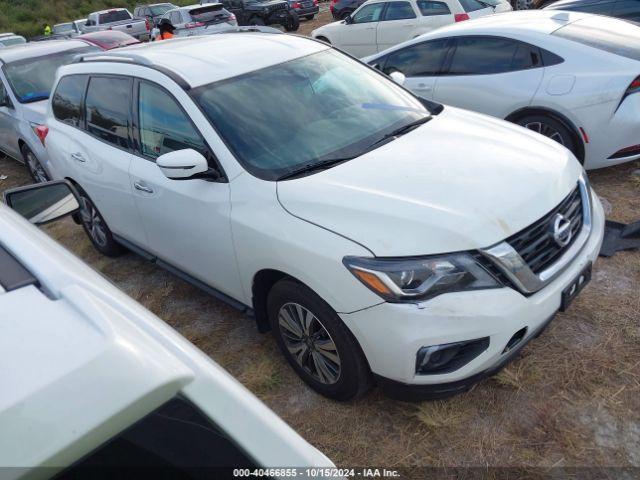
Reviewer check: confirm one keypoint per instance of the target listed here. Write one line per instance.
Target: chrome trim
(507, 259)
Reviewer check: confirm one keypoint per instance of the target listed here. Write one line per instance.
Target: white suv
(376, 234)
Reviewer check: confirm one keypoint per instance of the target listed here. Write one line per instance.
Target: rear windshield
(617, 37)
(63, 28)
(206, 14)
(31, 79)
(7, 42)
(115, 16)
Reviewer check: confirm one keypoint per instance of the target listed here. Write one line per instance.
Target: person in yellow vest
(47, 30)
(166, 29)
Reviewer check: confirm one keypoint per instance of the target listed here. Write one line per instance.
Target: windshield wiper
(312, 167)
(403, 129)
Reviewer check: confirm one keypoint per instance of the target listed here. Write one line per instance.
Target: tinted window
(67, 100)
(526, 56)
(608, 35)
(208, 13)
(422, 59)
(175, 441)
(482, 55)
(471, 5)
(399, 11)
(164, 127)
(428, 8)
(114, 16)
(107, 109)
(627, 9)
(369, 13)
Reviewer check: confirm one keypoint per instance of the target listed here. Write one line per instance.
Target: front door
(359, 37)
(187, 221)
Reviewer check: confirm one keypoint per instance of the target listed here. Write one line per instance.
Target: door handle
(426, 88)
(78, 157)
(142, 187)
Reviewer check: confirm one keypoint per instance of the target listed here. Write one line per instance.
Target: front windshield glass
(31, 79)
(63, 28)
(161, 9)
(320, 107)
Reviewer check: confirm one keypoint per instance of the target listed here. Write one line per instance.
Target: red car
(108, 39)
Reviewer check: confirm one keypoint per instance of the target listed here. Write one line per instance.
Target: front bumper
(304, 11)
(391, 334)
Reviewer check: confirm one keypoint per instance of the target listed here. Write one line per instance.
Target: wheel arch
(263, 282)
(577, 137)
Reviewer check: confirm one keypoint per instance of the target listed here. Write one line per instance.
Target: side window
(526, 56)
(175, 18)
(164, 127)
(67, 99)
(627, 9)
(428, 8)
(482, 56)
(107, 109)
(422, 59)
(399, 11)
(369, 13)
(177, 440)
(472, 5)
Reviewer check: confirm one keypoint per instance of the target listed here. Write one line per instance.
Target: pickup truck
(118, 19)
(69, 29)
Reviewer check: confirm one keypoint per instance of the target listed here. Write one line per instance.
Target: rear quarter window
(67, 99)
(616, 37)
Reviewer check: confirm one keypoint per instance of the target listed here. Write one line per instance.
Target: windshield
(63, 28)
(114, 16)
(31, 79)
(312, 109)
(7, 42)
(161, 9)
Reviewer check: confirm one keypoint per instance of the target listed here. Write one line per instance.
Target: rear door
(421, 63)
(97, 152)
(398, 24)
(492, 75)
(359, 37)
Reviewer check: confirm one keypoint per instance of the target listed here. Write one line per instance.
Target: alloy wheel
(93, 222)
(546, 130)
(309, 343)
(37, 170)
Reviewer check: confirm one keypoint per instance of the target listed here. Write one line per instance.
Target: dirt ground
(571, 399)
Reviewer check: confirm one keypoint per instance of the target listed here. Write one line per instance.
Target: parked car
(10, 39)
(262, 12)
(109, 39)
(306, 9)
(539, 69)
(623, 9)
(119, 19)
(341, 9)
(153, 12)
(27, 74)
(69, 29)
(100, 387)
(380, 24)
(199, 19)
(378, 235)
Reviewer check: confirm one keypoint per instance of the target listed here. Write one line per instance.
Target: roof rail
(133, 59)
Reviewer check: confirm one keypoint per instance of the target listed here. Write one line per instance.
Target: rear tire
(550, 128)
(36, 170)
(316, 343)
(96, 228)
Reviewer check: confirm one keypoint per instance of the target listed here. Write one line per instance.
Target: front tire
(96, 228)
(550, 128)
(293, 23)
(36, 170)
(316, 343)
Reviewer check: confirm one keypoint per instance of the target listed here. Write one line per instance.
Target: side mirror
(398, 77)
(182, 164)
(348, 19)
(43, 202)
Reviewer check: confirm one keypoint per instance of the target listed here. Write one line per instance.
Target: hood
(35, 112)
(460, 182)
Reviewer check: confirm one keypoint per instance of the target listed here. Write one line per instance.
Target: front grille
(278, 7)
(493, 269)
(536, 245)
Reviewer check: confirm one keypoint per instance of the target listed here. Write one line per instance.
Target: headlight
(420, 278)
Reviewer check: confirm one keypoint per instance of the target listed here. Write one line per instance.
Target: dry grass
(572, 399)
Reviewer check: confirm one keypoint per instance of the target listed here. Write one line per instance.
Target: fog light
(449, 357)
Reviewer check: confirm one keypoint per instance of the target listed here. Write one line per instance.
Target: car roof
(38, 49)
(210, 58)
(197, 5)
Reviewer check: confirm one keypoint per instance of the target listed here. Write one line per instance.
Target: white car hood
(460, 182)
(35, 112)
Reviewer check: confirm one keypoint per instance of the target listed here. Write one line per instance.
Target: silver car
(200, 19)
(10, 39)
(26, 77)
